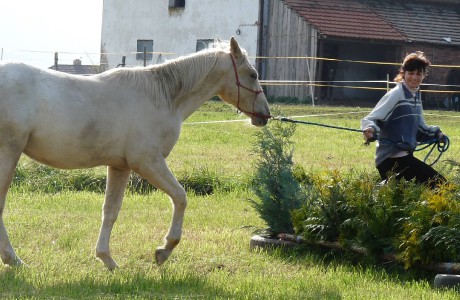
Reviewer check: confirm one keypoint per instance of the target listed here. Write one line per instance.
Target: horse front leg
(7, 167)
(160, 176)
(116, 184)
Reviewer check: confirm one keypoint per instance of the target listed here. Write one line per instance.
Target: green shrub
(139, 185)
(34, 177)
(201, 181)
(378, 219)
(326, 209)
(417, 224)
(278, 192)
(431, 230)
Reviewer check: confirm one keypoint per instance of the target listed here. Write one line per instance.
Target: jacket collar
(408, 93)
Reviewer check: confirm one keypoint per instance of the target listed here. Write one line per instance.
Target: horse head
(243, 88)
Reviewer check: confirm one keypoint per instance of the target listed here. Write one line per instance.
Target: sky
(31, 31)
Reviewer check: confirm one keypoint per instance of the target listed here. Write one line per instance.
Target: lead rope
(441, 144)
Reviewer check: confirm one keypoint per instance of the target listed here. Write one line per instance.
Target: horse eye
(254, 76)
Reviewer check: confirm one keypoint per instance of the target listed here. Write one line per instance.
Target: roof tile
(347, 18)
(77, 69)
(382, 19)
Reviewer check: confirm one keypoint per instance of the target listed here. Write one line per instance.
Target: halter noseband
(256, 92)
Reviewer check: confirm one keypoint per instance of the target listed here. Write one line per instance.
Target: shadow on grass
(17, 284)
(331, 259)
(159, 284)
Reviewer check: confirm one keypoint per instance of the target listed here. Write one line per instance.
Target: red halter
(256, 92)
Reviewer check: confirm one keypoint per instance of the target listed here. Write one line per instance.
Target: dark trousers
(410, 167)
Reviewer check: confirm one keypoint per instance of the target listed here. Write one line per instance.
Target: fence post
(56, 61)
(145, 56)
(123, 62)
(310, 85)
(388, 82)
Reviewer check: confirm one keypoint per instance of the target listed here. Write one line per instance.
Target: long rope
(284, 119)
(441, 144)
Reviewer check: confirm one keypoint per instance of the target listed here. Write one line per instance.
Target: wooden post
(123, 62)
(145, 56)
(56, 61)
(388, 82)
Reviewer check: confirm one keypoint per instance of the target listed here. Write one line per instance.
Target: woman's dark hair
(416, 61)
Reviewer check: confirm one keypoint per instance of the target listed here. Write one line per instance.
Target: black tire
(259, 241)
(447, 280)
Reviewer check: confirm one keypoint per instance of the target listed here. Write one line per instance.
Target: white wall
(173, 31)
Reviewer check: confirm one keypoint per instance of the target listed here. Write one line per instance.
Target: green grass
(226, 147)
(55, 235)
(55, 232)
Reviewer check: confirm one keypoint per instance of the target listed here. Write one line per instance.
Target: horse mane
(170, 80)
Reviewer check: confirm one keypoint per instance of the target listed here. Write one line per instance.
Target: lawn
(55, 232)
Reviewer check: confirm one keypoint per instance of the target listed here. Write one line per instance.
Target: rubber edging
(447, 280)
(258, 241)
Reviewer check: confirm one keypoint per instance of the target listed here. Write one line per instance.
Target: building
(326, 49)
(351, 35)
(166, 30)
(77, 68)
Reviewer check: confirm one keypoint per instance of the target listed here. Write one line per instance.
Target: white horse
(127, 119)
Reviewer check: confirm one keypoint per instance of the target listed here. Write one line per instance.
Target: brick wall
(438, 1)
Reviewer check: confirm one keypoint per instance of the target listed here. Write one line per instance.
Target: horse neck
(181, 85)
(199, 91)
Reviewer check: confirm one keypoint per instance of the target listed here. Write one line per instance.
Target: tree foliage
(274, 184)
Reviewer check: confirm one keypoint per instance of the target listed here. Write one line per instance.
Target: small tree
(274, 184)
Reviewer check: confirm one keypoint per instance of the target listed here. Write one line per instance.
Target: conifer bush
(274, 184)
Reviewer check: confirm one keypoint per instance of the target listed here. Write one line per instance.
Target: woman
(397, 120)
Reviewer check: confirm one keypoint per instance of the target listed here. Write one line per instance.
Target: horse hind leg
(7, 166)
(116, 184)
(160, 176)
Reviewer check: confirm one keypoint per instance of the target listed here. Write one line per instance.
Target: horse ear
(235, 49)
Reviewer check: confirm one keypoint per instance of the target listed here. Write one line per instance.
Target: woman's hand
(441, 137)
(368, 134)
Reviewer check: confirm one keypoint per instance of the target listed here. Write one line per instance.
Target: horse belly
(70, 151)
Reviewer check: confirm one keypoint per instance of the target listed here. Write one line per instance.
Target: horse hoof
(108, 261)
(161, 255)
(15, 262)
(111, 266)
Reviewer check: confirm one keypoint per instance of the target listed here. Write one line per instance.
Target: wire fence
(66, 57)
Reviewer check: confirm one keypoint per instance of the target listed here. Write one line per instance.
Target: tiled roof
(77, 69)
(382, 19)
(344, 18)
(422, 22)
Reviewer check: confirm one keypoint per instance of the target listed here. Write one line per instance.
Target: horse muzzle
(258, 121)
(260, 117)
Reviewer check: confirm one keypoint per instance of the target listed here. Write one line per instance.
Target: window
(148, 46)
(176, 3)
(203, 44)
